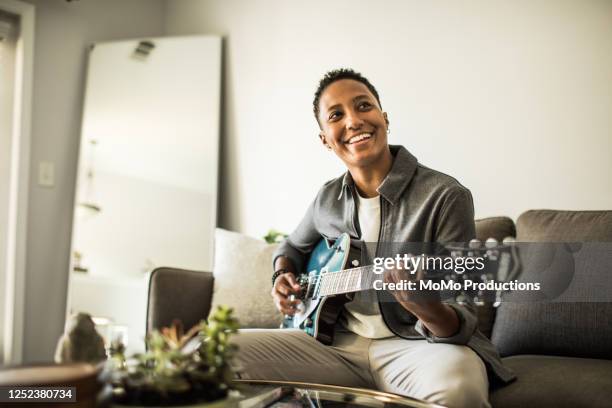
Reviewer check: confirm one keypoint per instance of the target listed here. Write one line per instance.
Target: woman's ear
(324, 141)
(386, 118)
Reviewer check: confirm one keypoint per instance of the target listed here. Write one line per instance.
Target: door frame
(15, 267)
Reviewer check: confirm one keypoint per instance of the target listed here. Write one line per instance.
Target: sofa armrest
(178, 294)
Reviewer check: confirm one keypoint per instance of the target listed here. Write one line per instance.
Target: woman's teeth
(359, 138)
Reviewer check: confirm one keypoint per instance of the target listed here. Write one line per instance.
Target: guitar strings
(348, 280)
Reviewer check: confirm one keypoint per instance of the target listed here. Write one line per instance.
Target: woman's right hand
(285, 285)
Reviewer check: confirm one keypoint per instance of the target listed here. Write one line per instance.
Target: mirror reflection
(147, 182)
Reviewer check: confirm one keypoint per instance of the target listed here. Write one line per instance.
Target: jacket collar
(401, 173)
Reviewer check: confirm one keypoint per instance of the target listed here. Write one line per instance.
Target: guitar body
(319, 314)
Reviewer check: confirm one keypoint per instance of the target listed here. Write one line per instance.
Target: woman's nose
(353, 121)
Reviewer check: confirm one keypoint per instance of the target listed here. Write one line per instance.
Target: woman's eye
(364, 105)
(334, 115)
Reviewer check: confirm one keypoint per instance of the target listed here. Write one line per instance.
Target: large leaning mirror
(146, 192)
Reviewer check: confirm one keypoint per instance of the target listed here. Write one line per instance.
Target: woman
(423, 349)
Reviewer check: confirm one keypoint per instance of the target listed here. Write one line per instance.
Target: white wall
(512, 98)
(63, 30)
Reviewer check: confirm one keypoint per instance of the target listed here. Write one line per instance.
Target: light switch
(46, 174)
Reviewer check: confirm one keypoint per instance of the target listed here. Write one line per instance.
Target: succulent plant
(178, 367)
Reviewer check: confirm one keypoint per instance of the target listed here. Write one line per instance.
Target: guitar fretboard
(347, 280)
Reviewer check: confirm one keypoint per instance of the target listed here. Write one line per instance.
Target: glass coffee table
(281, 394)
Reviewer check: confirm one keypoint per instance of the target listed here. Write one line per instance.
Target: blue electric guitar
(328, 284)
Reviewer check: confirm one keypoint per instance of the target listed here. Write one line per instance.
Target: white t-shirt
(362, 314)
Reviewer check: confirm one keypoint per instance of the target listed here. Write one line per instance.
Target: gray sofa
(561, 352)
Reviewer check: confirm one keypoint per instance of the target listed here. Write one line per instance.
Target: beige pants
(445, 374)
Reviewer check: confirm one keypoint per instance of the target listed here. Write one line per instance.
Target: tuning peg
(491, 243)
(509, 240)
(461, 299)
(474, 244)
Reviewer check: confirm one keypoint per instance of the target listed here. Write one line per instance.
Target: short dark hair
(336, 75)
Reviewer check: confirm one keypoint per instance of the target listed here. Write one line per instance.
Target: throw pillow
(242, 271)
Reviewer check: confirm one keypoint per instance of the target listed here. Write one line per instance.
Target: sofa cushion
(498, 228)
(564, 226)
(242, 271)
(571, 324)
(547, 381)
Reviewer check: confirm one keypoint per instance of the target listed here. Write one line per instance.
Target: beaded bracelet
(278, 273)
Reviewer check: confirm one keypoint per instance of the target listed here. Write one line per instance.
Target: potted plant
(178, 368)
(274, 237)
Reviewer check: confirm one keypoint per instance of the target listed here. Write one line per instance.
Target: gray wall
(63, 31)
(514, 98)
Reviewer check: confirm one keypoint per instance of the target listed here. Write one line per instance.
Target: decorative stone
(80, 342)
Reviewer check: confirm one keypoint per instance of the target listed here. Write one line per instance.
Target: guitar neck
(489, 262)
(347, 281)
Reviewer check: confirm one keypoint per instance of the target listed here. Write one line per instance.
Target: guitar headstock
(500, 263)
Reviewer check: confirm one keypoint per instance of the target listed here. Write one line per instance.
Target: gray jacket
(418, 204)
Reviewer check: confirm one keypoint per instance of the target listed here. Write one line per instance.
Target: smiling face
(353, 124)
